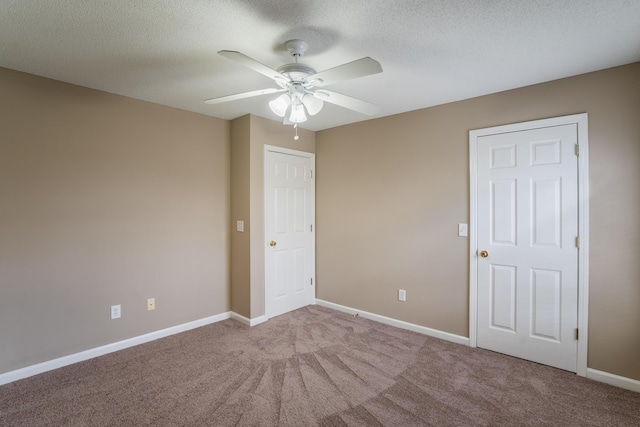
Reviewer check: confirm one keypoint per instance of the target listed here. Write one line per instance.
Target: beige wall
(250, 134)
(240, 211)
(108, 200)
(105, 200)
(390, 193)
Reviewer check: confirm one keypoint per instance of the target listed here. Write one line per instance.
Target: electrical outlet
(151, 304)
(116, 311)
(402, 295)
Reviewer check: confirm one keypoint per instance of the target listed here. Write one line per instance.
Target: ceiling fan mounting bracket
(296, 47)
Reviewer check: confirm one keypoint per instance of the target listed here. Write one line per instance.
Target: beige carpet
(314, 366)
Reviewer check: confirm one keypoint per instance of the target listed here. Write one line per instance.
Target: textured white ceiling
(432, 51)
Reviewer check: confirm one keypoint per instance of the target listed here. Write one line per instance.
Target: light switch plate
(463, 230)
(116, 311)
(240, 226)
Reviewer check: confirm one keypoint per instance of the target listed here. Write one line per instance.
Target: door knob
(484, 254)
(272, 243)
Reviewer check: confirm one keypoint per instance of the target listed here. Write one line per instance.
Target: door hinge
(578, 242)
(311, 281)
(311, 173)
(311, 227)
(576, 333)
(577, 150)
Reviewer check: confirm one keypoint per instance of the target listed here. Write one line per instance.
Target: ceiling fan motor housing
(296, 72)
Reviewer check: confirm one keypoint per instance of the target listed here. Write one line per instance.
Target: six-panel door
(289, 238)
(527, 224)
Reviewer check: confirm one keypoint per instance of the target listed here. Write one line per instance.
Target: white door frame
(312, 158)
(581, 120)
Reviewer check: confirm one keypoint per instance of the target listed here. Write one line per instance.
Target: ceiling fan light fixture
(280, 104)
(297, 114)
(312, 104)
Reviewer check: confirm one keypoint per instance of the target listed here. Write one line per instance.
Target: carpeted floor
(313, 366)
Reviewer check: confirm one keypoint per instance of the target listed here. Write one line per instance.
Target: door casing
(581, 120)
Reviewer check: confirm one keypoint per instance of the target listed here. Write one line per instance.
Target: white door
(527, 228)
(289, 235)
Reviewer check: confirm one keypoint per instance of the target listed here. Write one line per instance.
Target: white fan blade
(243, 95)
(253, 64)
(347, 102)
(351, 70)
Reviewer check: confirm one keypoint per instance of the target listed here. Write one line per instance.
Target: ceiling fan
(301, 86)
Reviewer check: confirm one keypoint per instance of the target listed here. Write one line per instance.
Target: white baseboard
(615, 380)
(251, 322)
(605, 377)
(18, 374)
(397, 323)
(50, 365)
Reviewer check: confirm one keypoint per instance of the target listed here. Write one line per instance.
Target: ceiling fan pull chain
(295, 138)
